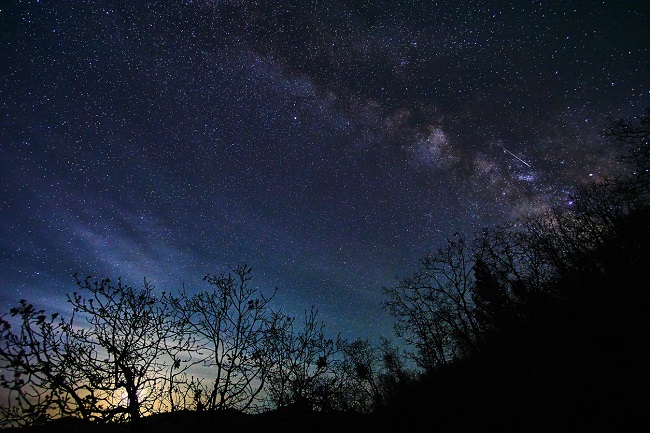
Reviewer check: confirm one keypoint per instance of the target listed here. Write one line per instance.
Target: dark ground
(229, 421)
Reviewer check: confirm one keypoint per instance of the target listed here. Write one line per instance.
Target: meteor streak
(506, 150)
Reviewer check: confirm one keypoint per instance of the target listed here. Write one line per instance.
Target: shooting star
(506, 150)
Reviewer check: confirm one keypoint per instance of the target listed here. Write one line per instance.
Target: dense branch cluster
(126, 352)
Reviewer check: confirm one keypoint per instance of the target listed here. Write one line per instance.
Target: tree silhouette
(493, 306)
(38, 378)
(108, 361)
(229, 324)
(120, 349)
(361, 370)
(433, 308)
(302, 360)
(124, 353)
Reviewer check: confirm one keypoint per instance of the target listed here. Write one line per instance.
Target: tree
(360, 370)
(109, 361)
(303, 362)
(433, 308)
(121, 349)
(493, 305)
(37, 377)
(229, 324)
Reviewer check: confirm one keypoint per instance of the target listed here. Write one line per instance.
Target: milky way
(327, 144)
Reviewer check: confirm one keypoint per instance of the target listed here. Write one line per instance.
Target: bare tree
(122, 346)
(360, 371)
(111, 360)
(433, 308)
(229, 324)
(303, 362)
(38, 380)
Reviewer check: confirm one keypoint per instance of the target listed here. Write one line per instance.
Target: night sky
(328, 144)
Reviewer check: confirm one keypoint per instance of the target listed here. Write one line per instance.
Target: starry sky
(328, 144)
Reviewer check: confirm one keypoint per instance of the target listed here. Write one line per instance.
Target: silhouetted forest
(540, 324)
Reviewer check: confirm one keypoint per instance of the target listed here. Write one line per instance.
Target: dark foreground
(284, 421)
(229, 421)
